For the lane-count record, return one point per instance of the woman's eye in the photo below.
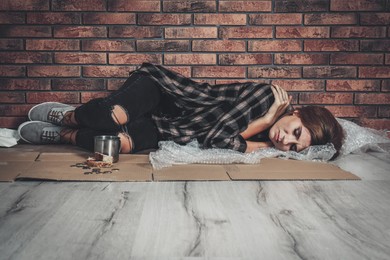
(297, 133)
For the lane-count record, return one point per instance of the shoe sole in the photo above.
(29, 112)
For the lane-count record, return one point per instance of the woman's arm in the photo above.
(253, 146)
(281, 103)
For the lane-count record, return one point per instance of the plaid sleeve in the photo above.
(252, 103)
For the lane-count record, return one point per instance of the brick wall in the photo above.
(333, 53)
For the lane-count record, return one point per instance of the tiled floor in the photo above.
(201, 220)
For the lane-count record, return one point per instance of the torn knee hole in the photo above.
(126, 143)
(119, 115)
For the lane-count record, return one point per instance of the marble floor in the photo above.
(202, 220)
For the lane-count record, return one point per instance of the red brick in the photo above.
(385, 85)
(330, 19)
(14, 110)
(352, 85)
(77, 5)
(109, 18)
(220, 19)
(301, 58)
(387, 59)
(357, 5)
(11, 122)
(107, 71)
(80, 58)
(384, 111)
(108, 45)
(374, 72)
(300, 85)
(218, 45)
(53, 18)
(245, 6)
(80, 31)
(275, 19)
(114, 84)
(163, 45)
(375, 123)
(134, 59)
(325, 98)
(329, 72)
(356, 58)
(50, 44)
(23, 5)
(164, 19)
(202, 6)
(245, 59)
(25, 84)
(302, 32)
(352, 111)
(234, 81)
(25, 31)
(63, 97)
(12, 18)
(25, 57)
(372, 98)
(196, 59)
(191, 32)
(134, 6)
(274, 45)
(218, 72)
(375, 45)
(53, 71)
(183, 70)
(375, 18)
(295, 6)
(12, 71)
(87, 96)
(358, 32)
(11, 44)
(274, 72)
(331, 45)
(12, 97)
(78, 84)
(241, 32)
(135, 32)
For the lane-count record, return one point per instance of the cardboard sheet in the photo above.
(280, 169)
(13, 164)
(192, 172)
(61, 166)
(10, 170)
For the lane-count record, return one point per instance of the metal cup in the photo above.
(108, 145)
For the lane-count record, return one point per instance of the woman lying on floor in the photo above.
(157, 104)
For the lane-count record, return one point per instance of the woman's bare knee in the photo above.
(126, 143)
(119, 115)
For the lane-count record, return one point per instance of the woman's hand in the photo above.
(281, 103)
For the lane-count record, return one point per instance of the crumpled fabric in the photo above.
(357, 139)
(8, 137)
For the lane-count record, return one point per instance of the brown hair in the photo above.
(323, 126)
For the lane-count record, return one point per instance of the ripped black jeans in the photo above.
(138, 97)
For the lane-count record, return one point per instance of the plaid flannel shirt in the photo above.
(215, 115)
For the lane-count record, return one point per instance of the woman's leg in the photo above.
(141, 135)
(138, 96)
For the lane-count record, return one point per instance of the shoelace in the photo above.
(58, 116)
(48, 136)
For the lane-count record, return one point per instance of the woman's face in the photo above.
(288, 133)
